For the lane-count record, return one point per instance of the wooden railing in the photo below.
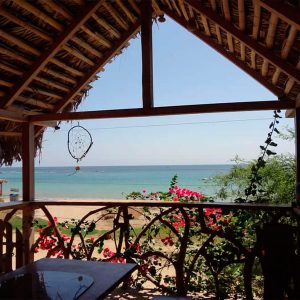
(181, 248)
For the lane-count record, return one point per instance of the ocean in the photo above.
(112, 182)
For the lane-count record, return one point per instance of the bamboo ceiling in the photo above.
(51, 50)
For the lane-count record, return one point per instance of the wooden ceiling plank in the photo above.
(115, 15)
(243, 51)
(113, 31)
(289, 42)
(219, 48)
(271, 30)
(182, 7)
(51, 83)
(166, 111)
(76, 53)
(14, 40)
(11, 116)
(226, 10)
(264, 68)
(35, 102)
(39, 14)
(96, 36)
(60, 9)
(86, 46)
(106, 57)
(275, 76)
(66, 67)
(156, 8)
(134, 6)
(127, 12)
(147, 54)
(51, 52)
(26, 25)
(256, 19)
(230, 42)
(242, 18)
(15, 55)
(252, 44)
(285, 12)
(10, 69)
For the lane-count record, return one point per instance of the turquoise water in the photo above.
(112, 182)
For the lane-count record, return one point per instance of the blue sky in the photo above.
(186, 71)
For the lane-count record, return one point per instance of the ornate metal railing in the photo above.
(181, 248)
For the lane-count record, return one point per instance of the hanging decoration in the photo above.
(79, 143)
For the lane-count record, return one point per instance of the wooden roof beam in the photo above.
(252, 44)
(165, 111)
(219, 48)
(285, 12)
(147, 55)
(51, 52)
(116, 47)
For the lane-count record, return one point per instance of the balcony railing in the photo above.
(181, 248)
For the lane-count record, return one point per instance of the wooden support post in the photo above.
(147, 56)
(297, 151)
(28, 151)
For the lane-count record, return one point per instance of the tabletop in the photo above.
(105, 276)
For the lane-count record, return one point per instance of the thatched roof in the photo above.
(50, 50)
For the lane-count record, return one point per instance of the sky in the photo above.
(186, 71)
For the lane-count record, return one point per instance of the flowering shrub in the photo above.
(180, 248)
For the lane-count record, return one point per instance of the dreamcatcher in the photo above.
(79, 143)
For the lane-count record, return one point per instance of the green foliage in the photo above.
(277, 181)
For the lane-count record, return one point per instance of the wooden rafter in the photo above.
(283, 11)
(256, 20)
(241, 10)
(112, 30)
(219, 48)
(11, 116)
(50, 53)
(252, 44)
(271, 30)
(289, 42)
(98, 66)
(165, 111)
(147, 56)
(16, 41)
(39, 14)
(27, 25)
